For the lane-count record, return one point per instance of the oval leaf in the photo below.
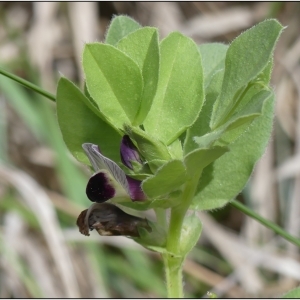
(119, 27)
(238, 123)
(142, 47)
(201, 126)
(213, 59)
(179, 95)
(167, 179)
(191, 231)
(77, 122)
(225, 178)
(197, 160)
(114, 81)
(246, 57)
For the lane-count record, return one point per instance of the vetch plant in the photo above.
(167, 125)
(191, 121)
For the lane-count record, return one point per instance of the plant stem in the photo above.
(172, 262)
(28, 84)
(265, 222)
(173, 259)
(173, 269)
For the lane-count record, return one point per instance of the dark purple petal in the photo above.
(99, 188)
(100, 162)
(135, 190)
(110, 180)
(129, 152)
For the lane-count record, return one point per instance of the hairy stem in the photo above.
(173, 270)
(173, 259)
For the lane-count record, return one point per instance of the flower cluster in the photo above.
(110, 182)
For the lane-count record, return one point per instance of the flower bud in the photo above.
(129, 153)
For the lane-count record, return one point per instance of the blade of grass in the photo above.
(28, 84)
(277, 229)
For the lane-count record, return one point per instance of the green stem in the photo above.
(172, 262)
(173, 269)
(28, 84)
(173, 259)
(176, 221)
(265, 222)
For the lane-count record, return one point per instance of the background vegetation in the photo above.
(42, 188)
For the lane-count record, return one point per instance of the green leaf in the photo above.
(265, 76)
(180, 94)
(95, 108)
(248, 108)
(167, 179)
(241, 119)
(175, 149)
(225, 178)
(79, 124)
(213, 59)
(246, 57)
(197, 160)
(190, 233)
(156, 203)
(294, 293)
(86, 93)
(258, 84)
(201, 126)
(119, 27)
(142, 47)
(155, 164)
(114, 81)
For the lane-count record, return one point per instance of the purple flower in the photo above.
(109, 180)
(129, 153)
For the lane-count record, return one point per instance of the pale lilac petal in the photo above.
(94, 155)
